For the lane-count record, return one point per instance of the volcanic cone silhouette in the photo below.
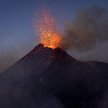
(50, 78)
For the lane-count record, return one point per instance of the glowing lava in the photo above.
(51, 40)
(49, 36)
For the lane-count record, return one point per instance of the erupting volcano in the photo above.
(46, 26)
(47, 77)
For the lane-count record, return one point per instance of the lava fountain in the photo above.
(49, 36)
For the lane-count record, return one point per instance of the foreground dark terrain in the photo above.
(50, 78)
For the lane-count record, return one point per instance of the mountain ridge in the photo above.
(46, 78)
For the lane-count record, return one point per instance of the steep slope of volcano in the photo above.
(20, 83)
(50, 78)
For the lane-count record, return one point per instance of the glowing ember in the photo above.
(51, 40)
(47, 30)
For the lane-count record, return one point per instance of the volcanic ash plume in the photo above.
(89, 27)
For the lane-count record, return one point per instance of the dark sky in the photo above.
(17, 35)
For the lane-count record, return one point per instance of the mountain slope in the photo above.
(17, 84)
(50, 78)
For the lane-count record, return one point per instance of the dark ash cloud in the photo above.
(89, 27)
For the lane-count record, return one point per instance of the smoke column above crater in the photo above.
(89, 27)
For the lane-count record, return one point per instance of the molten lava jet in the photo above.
(49, 36)
(51, 40)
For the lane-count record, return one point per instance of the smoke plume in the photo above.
(89, 27)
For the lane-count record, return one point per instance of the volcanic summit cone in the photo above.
(50, 78)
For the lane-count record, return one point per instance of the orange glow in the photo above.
(51, 40)
(47, 30)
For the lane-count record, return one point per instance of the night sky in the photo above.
(18, 36)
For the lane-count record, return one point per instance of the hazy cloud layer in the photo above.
(12, 51)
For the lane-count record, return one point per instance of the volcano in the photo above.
(50, 78)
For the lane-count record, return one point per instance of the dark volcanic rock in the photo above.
(50, 78)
